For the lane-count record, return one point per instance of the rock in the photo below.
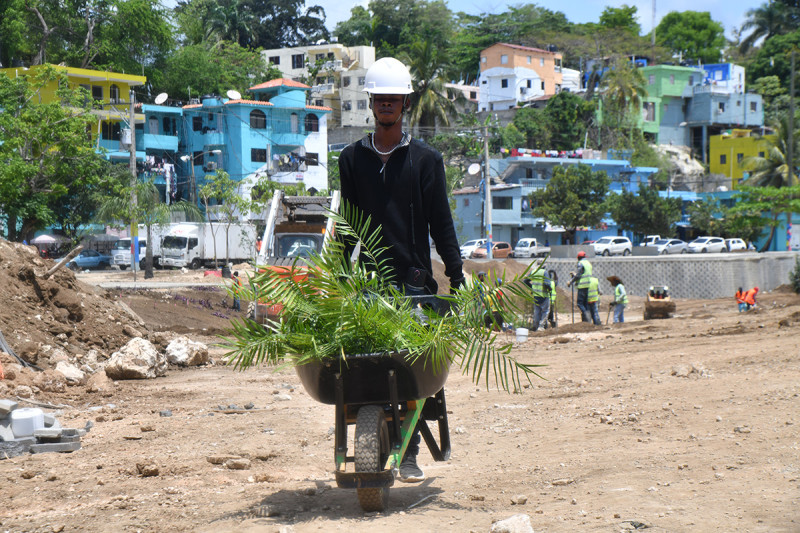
(185, 352)
(23, 391)
(72, 373)
(681, 371)
(220, 459)
(165, 413)
(130, 331)
(238, 464)
(741, 429)
(136, 360)
(519, 523)
(147, 470)
(50, 381)
(99, 382)
(519, 499)
(58, 355)
(283, 398)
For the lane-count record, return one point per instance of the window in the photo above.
(721, 107)
(738, 103)
(347, 105)
(346, 81)
(169, 125)
(541, 61)
(113, 94)
(503, 59)
(197, 123)
(297, 60)
(530, 60)
(312, 122)
(543, 85)
(319, 102)
(504, 83)
(362, 104)
(483, 59)
(651, 79)
(312, 159)
(319, 57)
(483, 82)
(97, 92)
(361, 81)
(691, 80)
(649, 111)
(501, 202)
(753, 106)
(258, 155)
(760, 154)
(722, 159)
(528, 83)
(197, 157)
(258, 120)
(739, 158)
(294, 122)
(473, 95)
(672, 79)
(275, 60)
(466, 202)
(152, 125)
(111, 131)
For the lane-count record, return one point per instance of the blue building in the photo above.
(515, 178)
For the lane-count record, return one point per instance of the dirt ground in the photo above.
(686, 424)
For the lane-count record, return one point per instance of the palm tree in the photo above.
(148, 210)
(623, 90)
(772, 18)
(230, 20)
(773, 168)
(431, 100)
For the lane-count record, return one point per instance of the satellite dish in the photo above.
(473, 169)
(234, 95)
(161, 98)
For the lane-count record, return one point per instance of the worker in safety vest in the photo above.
(237, 287)
(593, 297)
(620, 298)
(581, 276)
(551, 316)
(750, 298)
(541, 286)
(740, 300)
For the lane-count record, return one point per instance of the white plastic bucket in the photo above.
(26, 420)
(522, 334)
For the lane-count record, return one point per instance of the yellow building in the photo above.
(729, 150)
(111, 89)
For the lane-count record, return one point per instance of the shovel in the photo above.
(610, 307)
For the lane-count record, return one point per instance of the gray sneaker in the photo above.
(409, 471)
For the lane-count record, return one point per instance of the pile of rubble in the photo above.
(30, 430)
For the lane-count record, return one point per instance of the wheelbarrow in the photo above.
(386, 397)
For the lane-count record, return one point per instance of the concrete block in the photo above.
(51, 421)
(47, 434)
(70, 439)
(70, 432)
(55, 447)
(13, 448)
(5, 430)
(6, 406)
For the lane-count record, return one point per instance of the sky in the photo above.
(731, 13)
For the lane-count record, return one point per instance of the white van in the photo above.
(121, 253)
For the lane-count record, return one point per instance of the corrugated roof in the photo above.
(520, 47)
(278, 83)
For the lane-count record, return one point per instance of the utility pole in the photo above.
(487, 184)
(134, 179)
(790, 148)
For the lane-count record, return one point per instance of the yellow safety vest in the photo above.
(594, 294)
(583, 282)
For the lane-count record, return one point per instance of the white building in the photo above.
(339, 78)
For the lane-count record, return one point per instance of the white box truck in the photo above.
(121, 251)
(191, 244)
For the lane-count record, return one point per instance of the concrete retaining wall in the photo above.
(688, 276)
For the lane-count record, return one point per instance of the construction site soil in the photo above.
(690, 423)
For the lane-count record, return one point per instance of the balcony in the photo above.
(323, 89)
(213, 138)
(159, 143)
(336, 65)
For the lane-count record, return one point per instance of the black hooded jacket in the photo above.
(407, 197)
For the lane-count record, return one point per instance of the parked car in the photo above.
(500, 250)
(89, 259)
(588, 241)
(470, 246)
(736, 245)
(707, 244)
(613, 246)
(650, 240)
(529, 247)
(671, 246)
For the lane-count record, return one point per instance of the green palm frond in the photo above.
(336, 307)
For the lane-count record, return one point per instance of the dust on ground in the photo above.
(683, 424)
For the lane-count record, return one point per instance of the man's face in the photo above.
(387, 108)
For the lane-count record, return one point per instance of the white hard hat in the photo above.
(388, 76)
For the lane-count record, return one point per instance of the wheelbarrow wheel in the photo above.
(370, 453)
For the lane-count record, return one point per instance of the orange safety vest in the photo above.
(750, 297)
(237, 284)
(739, 297)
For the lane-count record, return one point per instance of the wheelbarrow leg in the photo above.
(340, 429)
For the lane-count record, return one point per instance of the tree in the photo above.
(357, 30)
(623, 90)
(397, 24)
(773, 169)
(430, 101)
(645, 212)
(229, 206)
(574, 196)
(230, 20)
(766, 21)
(692, 36)
(287, 23)
(706, 216)
(537, 127)
(568, 115)
(149, 210)
(770, 203)
(774, 58)
(620, 18)
(195, 69)
(44, 148)
(769, 87)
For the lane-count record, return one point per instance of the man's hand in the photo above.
(612, 304)
(456, 284)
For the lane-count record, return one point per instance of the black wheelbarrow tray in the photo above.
(386, 397)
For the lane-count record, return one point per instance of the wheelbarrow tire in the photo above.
(371, 452)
